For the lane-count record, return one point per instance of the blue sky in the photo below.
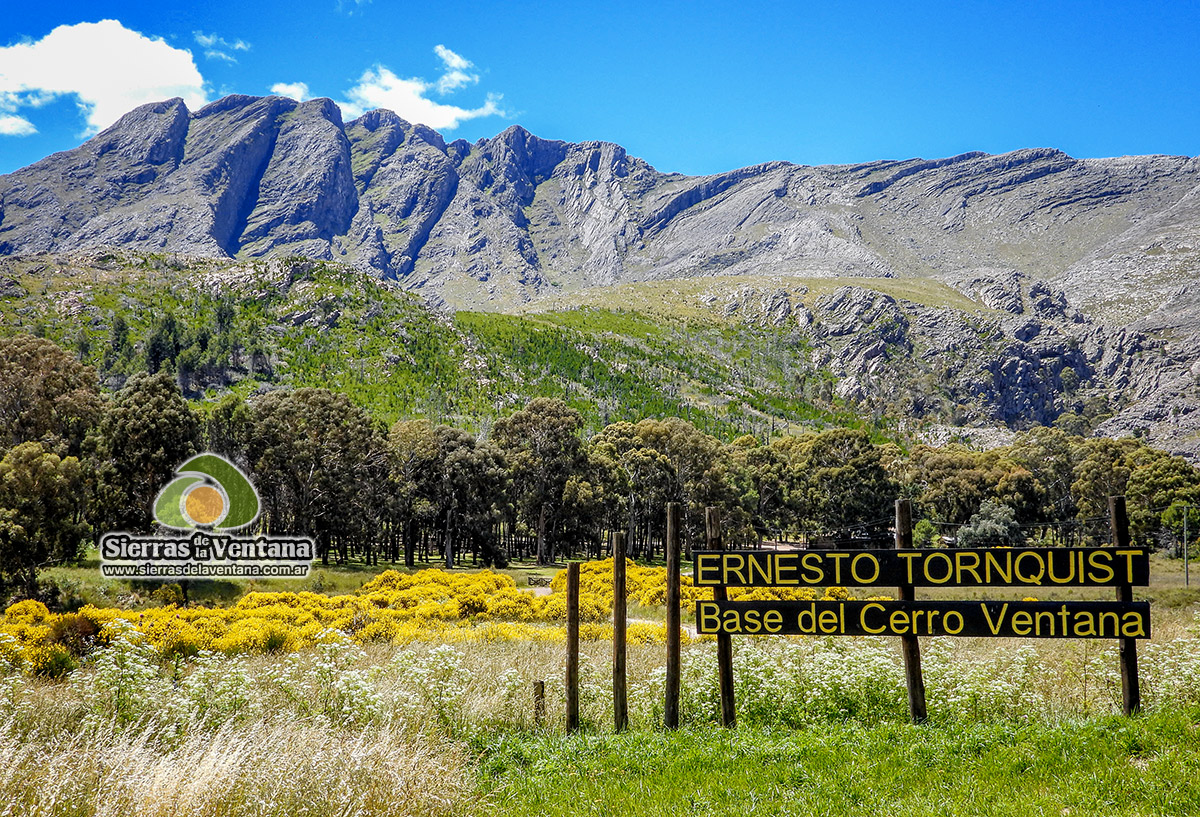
(692, 87)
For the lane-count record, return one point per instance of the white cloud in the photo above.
(16, 126)
(456, 75)
(293, 90)
(110, 69)
(218, 48)
(380, 88)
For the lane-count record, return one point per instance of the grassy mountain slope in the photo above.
(244, 326)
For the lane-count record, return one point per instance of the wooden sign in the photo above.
(994, 619)
(964, 567)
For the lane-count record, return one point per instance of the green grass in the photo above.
(1105, 766)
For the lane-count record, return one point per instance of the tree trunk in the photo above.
(542, 552)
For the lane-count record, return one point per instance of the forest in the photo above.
(79, 461)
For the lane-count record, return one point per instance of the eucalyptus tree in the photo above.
(45, 395)
(544, 449)
(145, 433)
(320, 465)
(41, 519)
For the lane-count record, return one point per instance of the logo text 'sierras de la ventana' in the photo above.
(213, 506)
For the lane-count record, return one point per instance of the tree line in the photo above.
(77, 462)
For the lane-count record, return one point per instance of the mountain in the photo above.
(1087, 264)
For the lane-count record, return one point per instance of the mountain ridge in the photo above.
(506, 220)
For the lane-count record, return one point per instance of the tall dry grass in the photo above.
(281, 767)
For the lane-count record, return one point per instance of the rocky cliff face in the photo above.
(508, 219)
(1084, 264)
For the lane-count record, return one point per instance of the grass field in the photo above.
(352, 727)
(1101, 766)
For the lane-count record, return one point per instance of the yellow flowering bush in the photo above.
(394, 607)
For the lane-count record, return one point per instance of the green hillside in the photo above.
(222, 326)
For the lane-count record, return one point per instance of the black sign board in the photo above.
(963, 567)
(995, 619)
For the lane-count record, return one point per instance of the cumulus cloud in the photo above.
(108, 68)
(293, 90)
(380, 88)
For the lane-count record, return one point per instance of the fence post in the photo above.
(910, 648)
(712, 527)
(573, 646)
(620, 701)
(1131, 691)
(539, 703)
(671, 705)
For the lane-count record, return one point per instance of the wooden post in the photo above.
(573, 646)
(910, 648)
(671, 705)
(1131, 690)
(539, 703)
(620, 702)
(712, 527)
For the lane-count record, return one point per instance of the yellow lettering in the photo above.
(730, 570)
(1132, 627)
(949, 568)
(1030, 578)
(814, 574)
(785, 563)
(862, 618)
(837, 566)
(908, 558)
(1022, 622)
(1004, 570)
(859, 579)
(828, 621)
(757, 562)
(752, 623)
(994, 626)
(899, 622)
(1037, 622)
(1128, 554)
(1094, 559)
(1070, 563)
(960, 559)
(706, 564)
(811, 612)
(773, 621)
(1116, 623)
(708, 617)
(952, 629)
(1084, 617)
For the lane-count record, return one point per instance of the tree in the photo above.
(994, 525)
(543, 448)
(320, 466)
(414, 470)
(842, 481)
(1049, 455)
(474, 483)
(1156, 486)
(698, 471)
(41, 522)
(1102, 469)
(144, 435)
(45, 394)
(765, 482)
